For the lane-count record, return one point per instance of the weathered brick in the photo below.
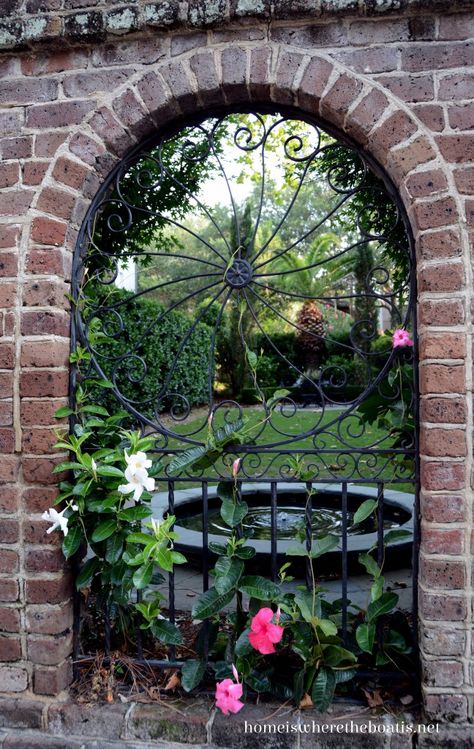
(9, 561)
(109, 129)
(16, 148)
(456, 86)
(441, 540)
(432, 115)
(132, 52)
(47, 143)
(13, 679)
(51, 590)
(443, 673)
(446, 277)
(410, 88)
(48, 231)
(442, 475)
(156, 97)
(442, 508)
(436, 56)
(48, 651)
(9, 530)
(70, 172)
(6, 385)
(10, 648)
(38, 441)
(132, 114)
(35, 533)
(289, 63)
(369, 60)
(442, 378)
(9, 619)
(40, 412)
(335, 103)
(182, 43)
(92, 81)
(44, 322)
(56, 61)
(39, 499)
(49, 261)
(41, 383)
(440, 244)
(24, 91)
(7, 350)
(6, 416)
(62, 114)
(177, 80)
(52, 680)
(395, 129)
(313, 83)
(39, 470)
(34, 172)
(47, 560)
(15, 202)
(439, 574)
(450, 707)
(461, 116)
(456, 148)
(8, 264)
(9, 174)
(444, 410)
(11, 122)
(455, 26)
(56, 202)
(383, 30)
(423, 184)
(9, 235)
(8, 590)
(7, 440)
(312, 37)
(435, 213)
(48, 619)
(438, 641)
(87, 26)
(204, 68)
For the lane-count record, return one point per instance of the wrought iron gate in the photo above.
(280, 290)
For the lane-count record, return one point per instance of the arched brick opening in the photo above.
(406, 149)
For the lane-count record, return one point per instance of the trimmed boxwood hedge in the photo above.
(158, 348)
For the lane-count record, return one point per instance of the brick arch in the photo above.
(379, 122)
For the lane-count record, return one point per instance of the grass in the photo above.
(288, 430)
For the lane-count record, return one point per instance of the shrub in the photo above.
(158, 348)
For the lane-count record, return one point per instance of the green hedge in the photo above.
(157, 347)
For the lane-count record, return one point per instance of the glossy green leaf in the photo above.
(139, 512)
(259, 587)
(228, 573)
(104, 530)
(370, 564)
(233, 513)
(142, 576)
(166, 632)
(210, 603)
(382, 605)
(63, 411)
(365, 636)
(323, 688)
(87, 573)
(114, 547)
(363, 512)
(72, 541)
(110, 471)
(192, 674)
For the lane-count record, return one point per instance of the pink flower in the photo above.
(228, 694)
(401, 337)
(235, 467)
(263, 635)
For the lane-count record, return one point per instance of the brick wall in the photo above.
(400, 83)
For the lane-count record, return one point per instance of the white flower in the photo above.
(138, 481)
(137, 462)
(57, 519)
(155, 524)
(75, 508)
(93, 465)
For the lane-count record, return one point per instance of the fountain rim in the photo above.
(355, 543)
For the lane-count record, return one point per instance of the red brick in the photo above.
(6, 385)
(9, 324)
(47, 353)
(48, 231)
(443, 410)
(446, 277)
(394, 130)
(8, 264)
(34, 171)
(9, 620)
(132, 114)
(156, 97)
(7, 354)
(457, 149)
(62, 114)
(431, 115)
(39, 470)
(461, 116)
(85, 148)
(443, 575)
(48, 591)
(24, 91)
(442, 475)
(289, 62)
(204, 68)
(443, 673)
(233, 83)
(422, 184)
(410, 88)
(313, 83)
(34, 531)
(45, 261)
(48, 142)
(436, 56)
(9, 234)
(38, 441)
(449, 707)
(46, 560)
(143, 50)
(9, 498)
(6, 413)
(49, 620)
(54, 62)
(70, 172)
(56, 202)
(469, 211)
(441, 312)
(442, 378)
(42, 293)
(15, 202)
(443, 443)
(435, 213)
(52, 680)
(445, 508)
(442, 541)
(338, 99)
(109, 129)
(7, 440)
(440, 244)
(184, 42)
(369, 60)
(45, 322)
(91, 81)
(405, 159)
(40, 412)
(456, 86)
(8, 295)
(455, 26)
(9, 530)
(8, 590)
(315, 35)
(464, 179)
(10, 649)
(49, 650)
(259, 73)
(39, 499)
(9, 561)
(369, 32)
(9, 174)
(41, 383)
(16, 148)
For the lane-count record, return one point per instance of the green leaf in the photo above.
(199, 457)
(139, 538)
(364, 510)
(258, 682)
(211, 602)
(219, 549)
(334, 655)
(328, 627)
(142, 576)
(304, 601)
(177, 558)
(376, 589)
(382, 605)
(86, 575)
(104, 530)
(228, 573)
(99, 410)
(166, 632)
(297, 551)
(192, 674)
(114, 547)
(68, 466)
(139, 512)
(245, 552)
(395, 535)
(345, 675)
(365, 636)
(225, 490)
(259, 587)
(371, 566)
(110, 471)
(233, 513)
(252, 357)
(323, 545)
(72, 541)
(63, 411)
(323, 688)
(243, 646)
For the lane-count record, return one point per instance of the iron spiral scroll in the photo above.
(206, 260)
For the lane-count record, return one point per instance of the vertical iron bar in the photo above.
(308, 514)
(76, 627)
(171, 592)
(380, 508)
(273, 542)
(139, 631)
(344, 560)
(205, 561)
(107, 630)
